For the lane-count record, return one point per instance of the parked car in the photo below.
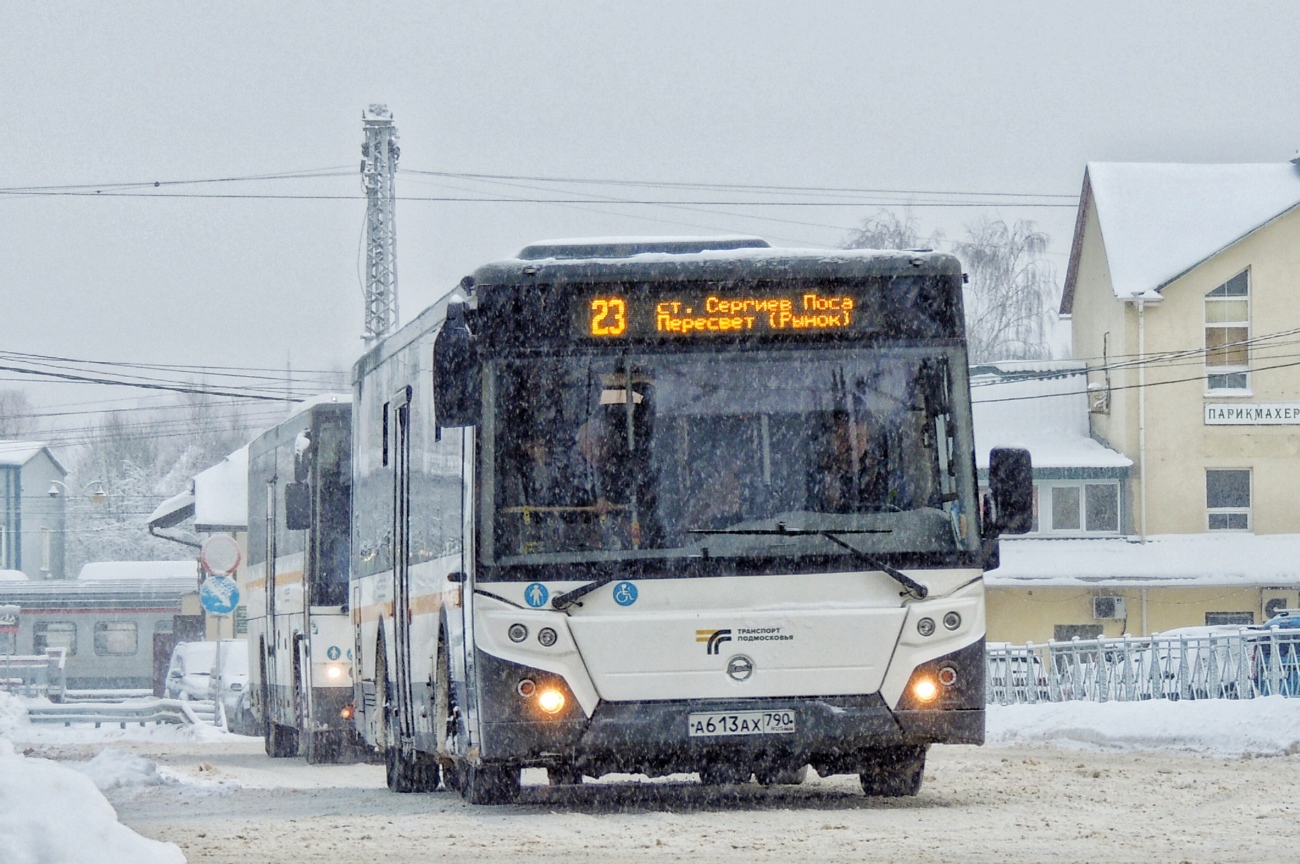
(227, 682)
(1218, 658)
(1280, 674)
(190, 669)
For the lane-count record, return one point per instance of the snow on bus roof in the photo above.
(1041, 406)
(322, 399)
(13, 576)
(1160, 220)
(99, 570)
(623, 247)
(1177, 560)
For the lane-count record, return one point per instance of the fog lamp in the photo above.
(347, 711)
(551, 701)
(947, 676)
(526, 688)
(333, 672)
(925, 689)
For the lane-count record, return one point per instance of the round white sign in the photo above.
(219, 554)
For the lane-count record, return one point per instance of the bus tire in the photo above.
(321, 748)
(281, 741)
(408, 772)
(893, 772)
(490, 784)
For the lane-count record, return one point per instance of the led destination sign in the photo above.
(613, 316)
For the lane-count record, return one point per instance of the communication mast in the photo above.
(379, 154)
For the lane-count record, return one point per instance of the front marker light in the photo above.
(925, 626)
(551, 701)
(925, 689)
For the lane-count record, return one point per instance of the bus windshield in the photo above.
(761, 453)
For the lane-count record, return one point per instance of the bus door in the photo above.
(401, 564)
(270, 631)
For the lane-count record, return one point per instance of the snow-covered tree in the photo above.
(1012, 290)
(1011, 293)
(136, 463)
(886, 230)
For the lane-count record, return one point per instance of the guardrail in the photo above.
(1242, 665)
(141, 711)
(35, 674)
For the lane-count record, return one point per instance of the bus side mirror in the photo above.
(1011, 484)
(297, 506)
(457, 376)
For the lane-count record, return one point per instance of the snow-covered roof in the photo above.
(173, 511)
(1204, 560)
(1041, 406)
(100, 570)
(221, 494)
(308, 404)
(1160, 220)
(18, 453)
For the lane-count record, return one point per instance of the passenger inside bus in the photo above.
(849, 471)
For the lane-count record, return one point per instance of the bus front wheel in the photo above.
(893, 772)
(489, 784)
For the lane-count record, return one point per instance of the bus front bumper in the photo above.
(653, 737)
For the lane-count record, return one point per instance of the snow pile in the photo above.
(50, 814)
(13, 713)
(1220, 727)
(113, 769)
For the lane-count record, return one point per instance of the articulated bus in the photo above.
(299, 632)
(675, 506)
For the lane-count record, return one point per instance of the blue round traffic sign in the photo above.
(219, 595)
(625, 593)
(535, 595)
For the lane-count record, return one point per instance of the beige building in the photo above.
(1183, 292)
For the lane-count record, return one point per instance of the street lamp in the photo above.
(95, 491)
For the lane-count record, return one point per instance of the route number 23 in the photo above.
(608, 316)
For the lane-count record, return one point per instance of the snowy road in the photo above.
(1004, 804)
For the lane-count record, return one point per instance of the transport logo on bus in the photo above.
(714, 638)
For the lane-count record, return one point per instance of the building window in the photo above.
(54, 634)
(1227, 331)
(1066, 632)
(1076, 507)
(1218, 619)
(115, 638)
(1227, 500)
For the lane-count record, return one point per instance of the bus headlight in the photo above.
(551, 701)
(334, 672)
(924, 689)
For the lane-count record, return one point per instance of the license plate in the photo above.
(741, 723)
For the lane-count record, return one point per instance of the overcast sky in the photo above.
(990, 97)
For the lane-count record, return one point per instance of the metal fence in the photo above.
(1242, 665)
(35, 674)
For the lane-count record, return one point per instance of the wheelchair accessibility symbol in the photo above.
(535, 595)
(625, 593)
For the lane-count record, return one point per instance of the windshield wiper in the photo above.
(568, 598)
(914, 588)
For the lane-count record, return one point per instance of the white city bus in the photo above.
(299, 630)
(674, 506)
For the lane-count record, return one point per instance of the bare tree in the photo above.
(886, 230)
(1012, 288)
(17, 419)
